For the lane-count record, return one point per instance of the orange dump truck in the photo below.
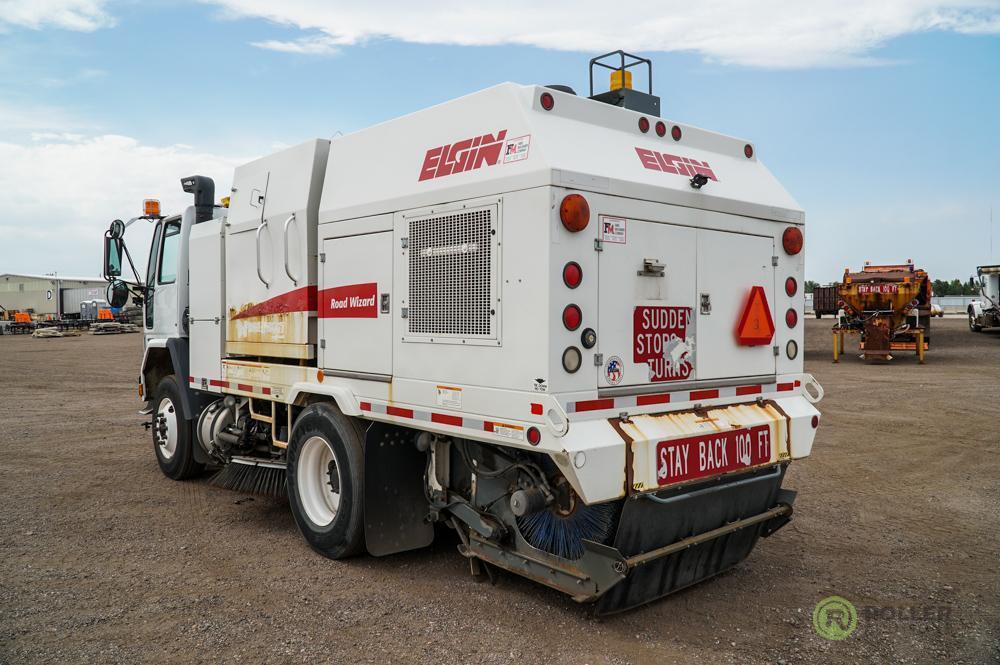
(889, 306)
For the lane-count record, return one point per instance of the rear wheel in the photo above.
(325, 476)
(972, 323)
(172, 434)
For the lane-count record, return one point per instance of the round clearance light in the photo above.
(588, 338)
(791, 287)
(534, 436)
(792, 349)
(791, 318)
(572, 317)
(643, 125)
(661, 128)
(815, 422)
(675, 133)
(548, 101)
(748, 151)
(572, 359)
(572, 274)
(574, 213)
(791, 240)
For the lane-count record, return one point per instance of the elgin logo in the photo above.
(464, 155)
(661, 161)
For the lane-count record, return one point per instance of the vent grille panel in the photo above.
(450, 274)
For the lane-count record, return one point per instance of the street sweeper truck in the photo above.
(563, 327)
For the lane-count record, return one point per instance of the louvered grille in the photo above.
(450, 275)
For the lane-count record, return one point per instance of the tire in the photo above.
(819, 315)
(173, 436)
(331, 522)
(972, 323)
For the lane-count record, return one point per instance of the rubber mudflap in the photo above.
(646, 525)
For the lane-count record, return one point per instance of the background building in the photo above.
(49, 296)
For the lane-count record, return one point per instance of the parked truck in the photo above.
(888, 306)
(560, 325)
(984, 311)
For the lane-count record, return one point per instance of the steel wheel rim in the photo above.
(313, 477)
(166, 415)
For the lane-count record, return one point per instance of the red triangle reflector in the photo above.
(756, 326)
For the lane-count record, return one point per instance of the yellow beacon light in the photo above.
(616, 79)
(224, 201)
(151, 208)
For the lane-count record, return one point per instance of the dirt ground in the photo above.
(103, 560)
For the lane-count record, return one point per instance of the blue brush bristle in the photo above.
(564, 535)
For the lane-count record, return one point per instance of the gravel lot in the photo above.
(103, 560)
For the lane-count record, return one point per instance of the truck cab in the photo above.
(984, 311)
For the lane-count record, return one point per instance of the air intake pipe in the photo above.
(203, 189)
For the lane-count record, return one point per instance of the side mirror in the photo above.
(112, 257)
(117, 294)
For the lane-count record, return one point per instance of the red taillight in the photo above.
(572, 317)
(534, 436)
(572, 274)
(748, 150)
(791, 318)
(574, 213)
(675, 133)
(791, 286)
(661, 128)
(791, 240)
(547, 101)
(643, 125)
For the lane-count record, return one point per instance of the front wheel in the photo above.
(325, 476)
(972, 323)
(172, 435)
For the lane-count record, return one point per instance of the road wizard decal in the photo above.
(474, 153)
(356, 301)
(661, 161)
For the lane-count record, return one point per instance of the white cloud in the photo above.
(765, 33)
(82, 15)
(61, 192)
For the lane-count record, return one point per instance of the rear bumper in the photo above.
(665, 542)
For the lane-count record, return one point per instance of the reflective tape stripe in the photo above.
(607, 403)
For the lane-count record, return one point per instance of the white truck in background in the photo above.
(984, 312)
(563, 327)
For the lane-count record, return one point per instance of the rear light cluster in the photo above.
(791, 242)
(661, 128)
(574, 213)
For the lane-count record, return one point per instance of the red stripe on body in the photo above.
(302, 299)
(749, 390)
(398, 411)
(595, 404)
(218, 384)
(646, 400)
(444, 419)
(703, 394)
(786, 386)
(366, 406)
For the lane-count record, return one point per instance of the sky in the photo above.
(882, 119)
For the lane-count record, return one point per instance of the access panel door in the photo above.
(355, 304)
(730, 265)
(646, 299)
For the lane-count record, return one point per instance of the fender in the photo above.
(176, 349)
(976, 308)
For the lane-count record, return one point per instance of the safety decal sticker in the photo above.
(614, 370)
(663, 339)
(613, 229)
(516, 149)
(449, 397)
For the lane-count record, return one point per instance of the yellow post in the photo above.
(920, 346)
(836, 345)
(842, 336)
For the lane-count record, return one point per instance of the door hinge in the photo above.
(404, 312)
(322, 344)
(774, 260)
(651, 268)
(776, 350)
(404, 243)
(598, 245)
(322, 257)
(598, 359)
(384, 303)
(706, 303)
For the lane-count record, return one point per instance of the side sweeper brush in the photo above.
(252, 476)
